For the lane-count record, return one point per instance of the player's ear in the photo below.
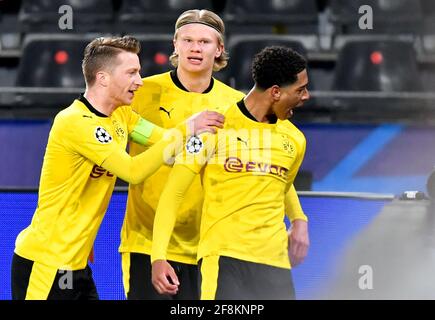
(275, 92)
(219, 50)
(174, 42)
(102, 78)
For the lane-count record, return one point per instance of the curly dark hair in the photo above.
(277, 65)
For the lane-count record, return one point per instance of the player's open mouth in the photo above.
(195, 60)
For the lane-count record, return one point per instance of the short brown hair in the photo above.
(101, 52)
(207, 18)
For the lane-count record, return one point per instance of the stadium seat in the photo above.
(383, 72)
(50, 66)
(10, 38)
(51, 62)
(242, 51)
(88, 15)
(158, 16)
(154, 54)
(377, 66)
(279, 16)
(428, 8)
(389, 16)
(428, 33)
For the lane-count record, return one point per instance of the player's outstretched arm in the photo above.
(147, 133)
(136, 169)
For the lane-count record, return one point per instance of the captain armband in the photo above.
(142, 131)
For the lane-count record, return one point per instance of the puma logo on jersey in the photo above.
(244, 141)
(166, 111)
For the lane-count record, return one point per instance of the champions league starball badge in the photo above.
(194, 144)
(102, 135)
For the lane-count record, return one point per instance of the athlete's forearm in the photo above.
(293, 207)
(170, 201)
(136, 169)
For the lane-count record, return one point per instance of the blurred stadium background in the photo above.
(370, 124)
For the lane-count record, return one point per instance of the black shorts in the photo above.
(225, 278)
(36, 281)
(136, 269)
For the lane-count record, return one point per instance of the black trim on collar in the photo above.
(245, 111)
(272, 118)
(178, 83)
(85, 101)
(242, 107)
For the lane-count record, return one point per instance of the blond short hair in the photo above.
(207, 18)
(101, 53)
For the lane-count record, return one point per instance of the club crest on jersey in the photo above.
(118, 129)
(287, 145)
(102, 135)
(194, 144)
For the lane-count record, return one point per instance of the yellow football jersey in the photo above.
(74, 191)
(163, 101)
(247, 168)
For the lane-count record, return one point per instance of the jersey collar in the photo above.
(88, 105)
(178, 83)
(242, 107)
